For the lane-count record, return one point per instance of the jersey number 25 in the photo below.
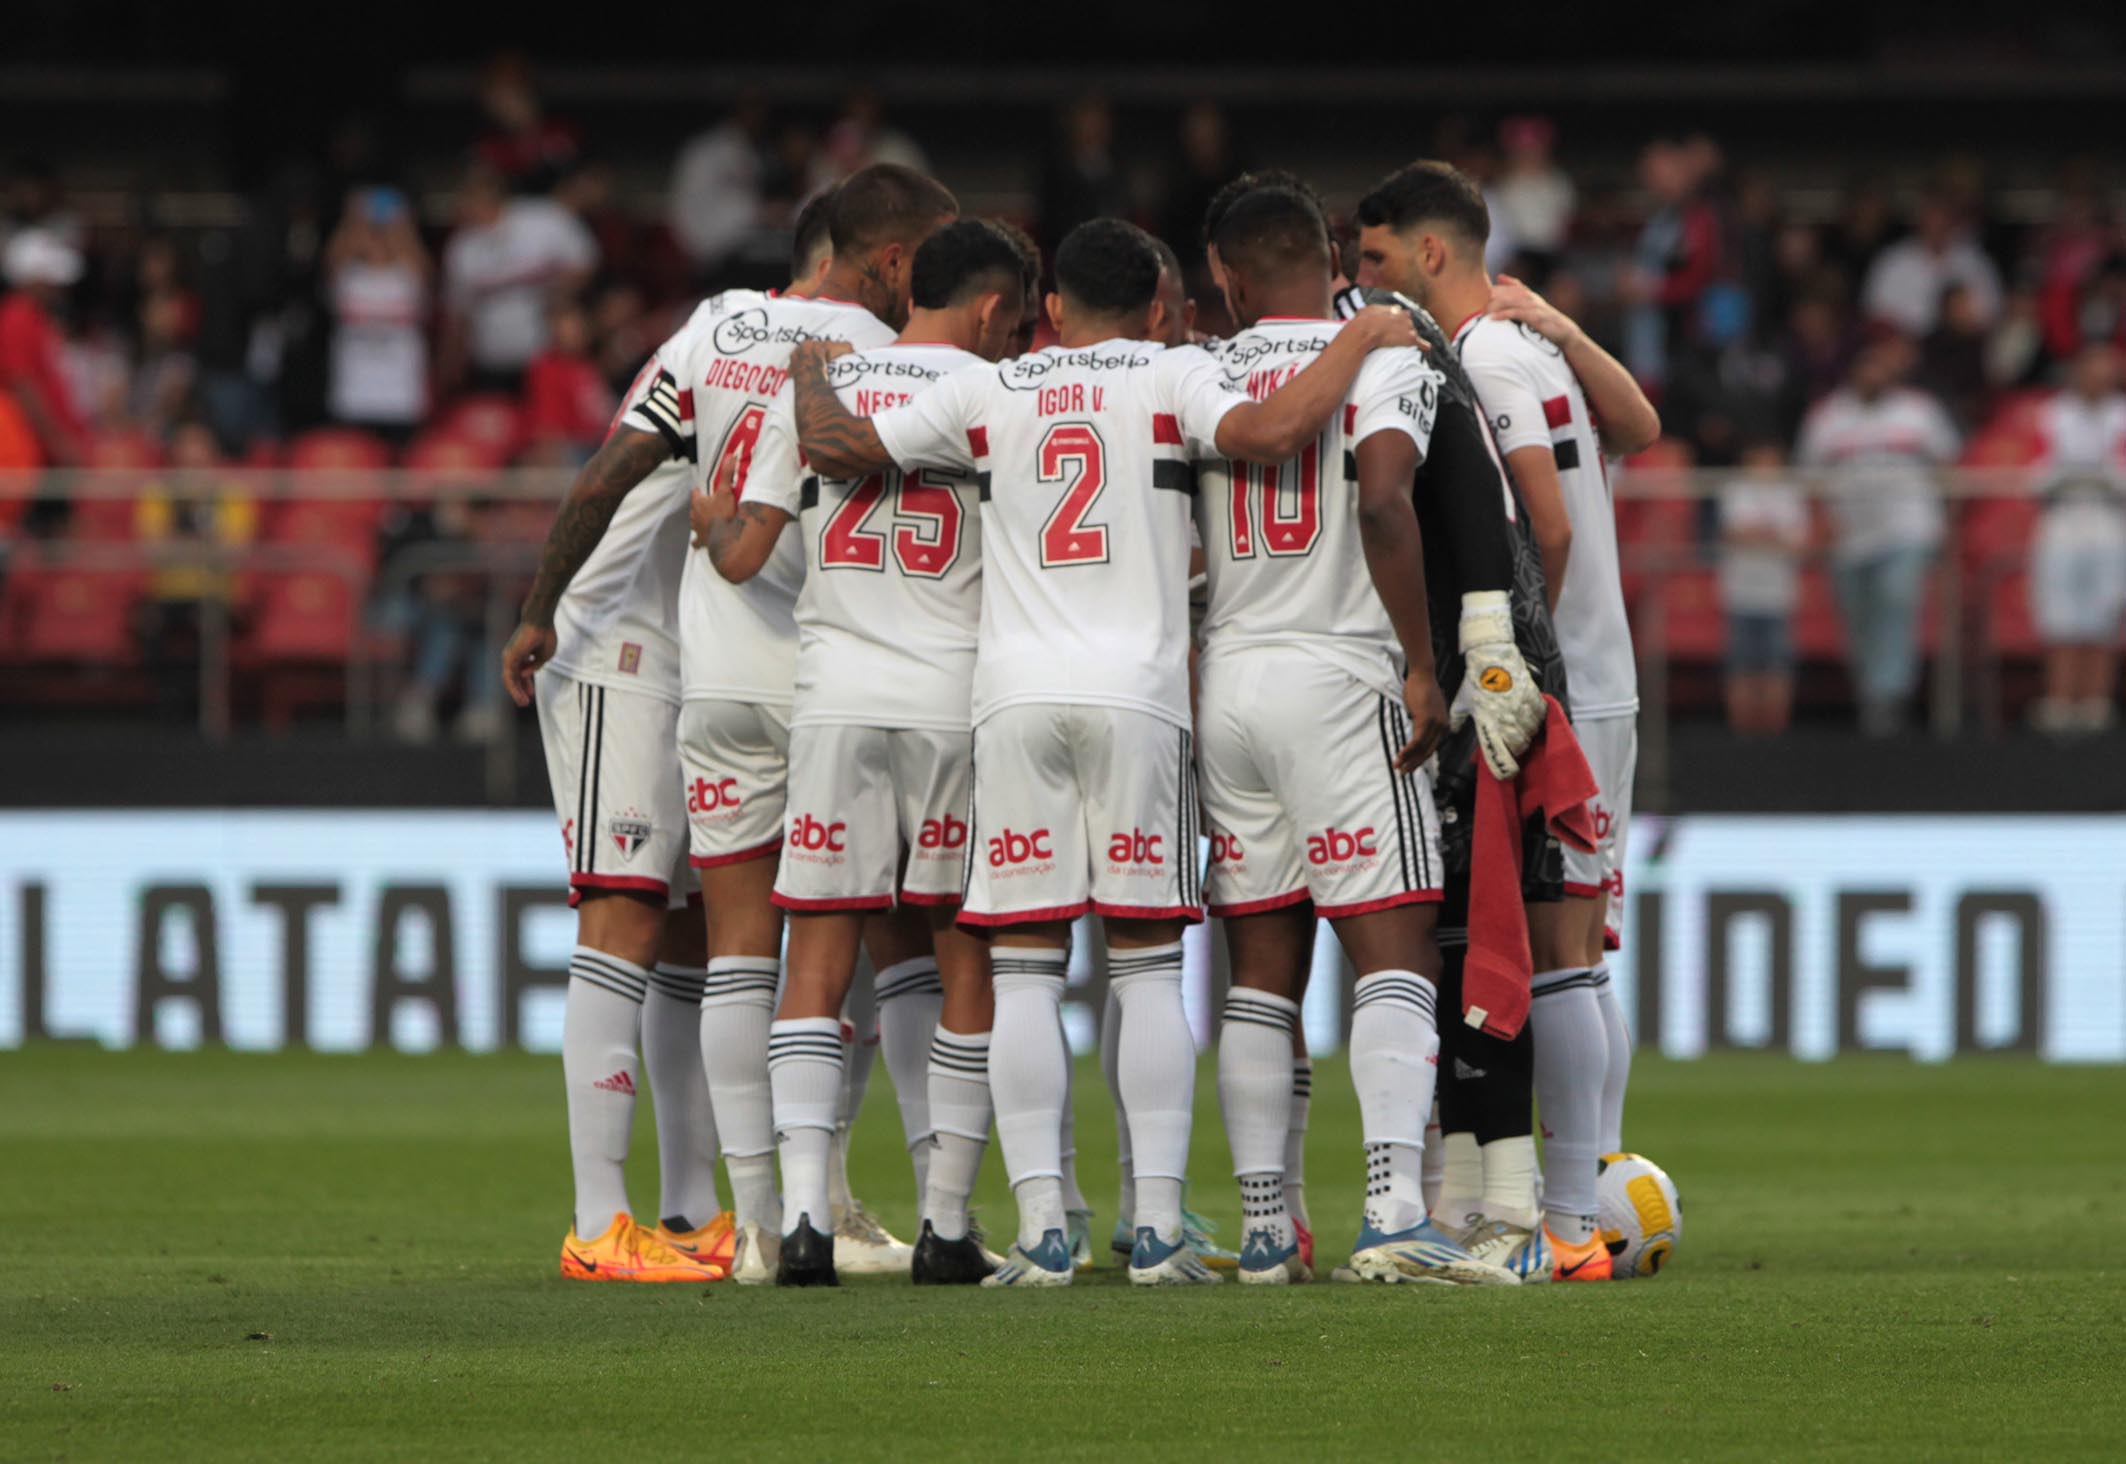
(926, 526)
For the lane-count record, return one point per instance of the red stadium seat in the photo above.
(1696, 621)
(302, 616)
(72, 615)
(1819, 630)
(343, 448)
(125, 449)
(347, 525)
(2010, 628)
(495, 423)
(447, 452)
(102, 520)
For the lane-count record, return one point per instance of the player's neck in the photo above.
(931, 328)
(844, 283)
(1299, 302)
(1456, 297)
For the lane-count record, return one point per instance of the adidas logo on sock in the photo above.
(620, 1082)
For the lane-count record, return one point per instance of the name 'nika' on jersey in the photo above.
(1534, 400)
(715, 381)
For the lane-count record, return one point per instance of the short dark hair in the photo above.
(1273, 231)
(1428, 192)
(1247, 183)
(885, 202)
(1108, 266)
(1168, 259)
(1029, 252)
(962, 259)
(808, 233)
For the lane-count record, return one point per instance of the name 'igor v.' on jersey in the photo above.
(893, 561)
(717, 378)
(1085, 521)
(1281, 544)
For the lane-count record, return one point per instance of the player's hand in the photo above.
(1428, 719)
(531, 647)
(1512, 300)
(1384, 327)
(814, 355)
(706, 510)
(1497, 689)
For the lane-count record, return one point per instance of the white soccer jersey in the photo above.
(2083, 437)
(1085, 519)
(893, 562)
(1534, 400)
(1882, 453)
(617, 623)
(709, 398)
(1281, 544)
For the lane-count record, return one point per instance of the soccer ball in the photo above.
(1641, 1215)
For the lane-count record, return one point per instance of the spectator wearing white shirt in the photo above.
(1533, 196)
(1881, 442)
(509, 258)
(1764, 527)
(2078, 558)
(1906, 282)
(376, 281)
(716, 188)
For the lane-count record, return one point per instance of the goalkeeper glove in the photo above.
(1497, 688)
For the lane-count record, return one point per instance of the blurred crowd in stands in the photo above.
(1876, 339)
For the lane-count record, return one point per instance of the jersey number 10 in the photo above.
(1259, 506)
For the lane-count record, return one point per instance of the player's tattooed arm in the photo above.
(740, 538)
(626, 459)
(1272, 430)
(837, 442)
(1395, 560)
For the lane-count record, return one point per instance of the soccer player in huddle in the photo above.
(703, 404)
(1084, 779)
(1319, 706)
(881, 748)
(1556, 402)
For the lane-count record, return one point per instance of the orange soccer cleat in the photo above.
(1588, 1262)
(712, 1244)
(631, 1252)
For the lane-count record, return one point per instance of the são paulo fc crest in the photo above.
(630, 831)
(630, 658)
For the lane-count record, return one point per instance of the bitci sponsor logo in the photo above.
(1334, 846)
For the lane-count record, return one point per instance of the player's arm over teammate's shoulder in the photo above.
(1627, 421)
(739, 523)
(934, 430)
(1398, 396)
(1278, 427)
(628, 456)
(836, 442)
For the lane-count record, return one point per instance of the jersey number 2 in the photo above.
(926, 527)
(1073, 454)
(1257, 489)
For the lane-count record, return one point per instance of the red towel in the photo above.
(1555, 782)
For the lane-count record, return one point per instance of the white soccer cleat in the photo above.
(1155, 1262)
(1522, 1253)
(1047, 1264)
(863, 1247)
(755, 1255)
(1264, 1262)
(1424, 1254)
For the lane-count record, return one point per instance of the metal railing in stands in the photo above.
(1966, 661)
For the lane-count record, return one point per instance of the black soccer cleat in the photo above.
(941, 1262)
(807, 1257)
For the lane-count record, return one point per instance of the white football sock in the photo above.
(1571, 1059)
(1394, 1064)
(805, 1070)
(959, 1116)
(1509, 1180)
(910, 996)
(1435, 1169)
(679, 1092)
(1110, 1055)
(1461, 1186)
(1255, 1095)
(1157, 1063)
(1617, 1076)
(1067, 1140)
(737, 1005)
(1295, 1144)
(599, 1029)
(1028, 1077)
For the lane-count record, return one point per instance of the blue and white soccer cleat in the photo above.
(1423, 1253)
(1525, 1253)
(1155, 1262)
(1265, 1262)
(1047, 1264)
(1201, 1236)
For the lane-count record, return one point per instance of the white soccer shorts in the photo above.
(1300, 791)
(1082, 808)
(615, 779)
(733, 764)
(859, 796)
(1612, 748)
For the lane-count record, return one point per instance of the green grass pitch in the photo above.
(220, 1256)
